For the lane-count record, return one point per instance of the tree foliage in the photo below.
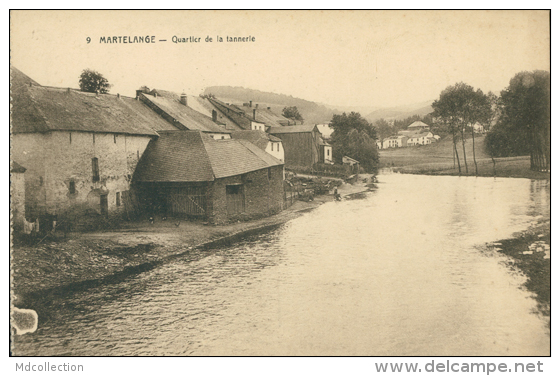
(291, 113)
(458, 108)
(384, 129)
(92, 81)
(355, 137)
(523, 126)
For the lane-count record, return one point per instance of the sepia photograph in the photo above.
(280, 183)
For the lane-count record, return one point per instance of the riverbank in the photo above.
(437, 159)
(50, 266)
(530, 252)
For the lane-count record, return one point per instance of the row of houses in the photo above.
(417, 133)
(85, 155)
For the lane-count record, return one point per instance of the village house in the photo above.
(175, 109)
(267, 142)
(189, 174)
(478, 128)
(420, 138)
(80, 149)
(418, 126)
(395, 142)
(303, 146)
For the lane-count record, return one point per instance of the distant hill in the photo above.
(401, 112)
(312, 112)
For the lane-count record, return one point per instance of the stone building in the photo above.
(189, 174)
(80, 149)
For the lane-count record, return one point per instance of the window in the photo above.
(95, 169)
(118, 198)
(115, 138)
(328, 152)
(72, 187)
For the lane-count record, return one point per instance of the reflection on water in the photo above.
(397, 273)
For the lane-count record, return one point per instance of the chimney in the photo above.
(214, 116)
(257, 105)
(68, 90)
(118, 95)
(138, 92)
(268, 108)
(183, 98)
(155, 94)
(250, 103)
(254, 114)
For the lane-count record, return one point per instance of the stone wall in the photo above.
(263, 193)
(59, 162)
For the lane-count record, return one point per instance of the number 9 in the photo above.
(88, 39)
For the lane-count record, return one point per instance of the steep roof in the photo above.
(191, 119)
(42, 109)
(293, 129)
(191, 156)
(204, 106)
(256, 137)
(234, 113)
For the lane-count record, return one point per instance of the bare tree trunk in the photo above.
(473, 154)
(464, 151)
(494, 162)
(456, 152)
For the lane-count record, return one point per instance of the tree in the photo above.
(355, 137)
(291, 113)
(384, 129)
(459, 107)
(526, 113)
(92, 82)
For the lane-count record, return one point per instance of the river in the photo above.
(402, 271)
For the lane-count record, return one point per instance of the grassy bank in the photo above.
(437, 159)
(530, 251)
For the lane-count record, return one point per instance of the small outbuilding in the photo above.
(189, 174)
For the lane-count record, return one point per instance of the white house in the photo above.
(267, 142)
(420, 138)
(395, 142)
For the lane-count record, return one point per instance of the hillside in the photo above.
(312, 112)
(400, 112)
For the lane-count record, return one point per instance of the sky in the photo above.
(346, 58)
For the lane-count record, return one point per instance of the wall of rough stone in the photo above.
(264, 195)
(67, 156)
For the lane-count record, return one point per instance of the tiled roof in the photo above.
(42, 109)
(293, 129)
(256, 137)
(191, 119)
(191, 156)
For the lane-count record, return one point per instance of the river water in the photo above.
(403, 271)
